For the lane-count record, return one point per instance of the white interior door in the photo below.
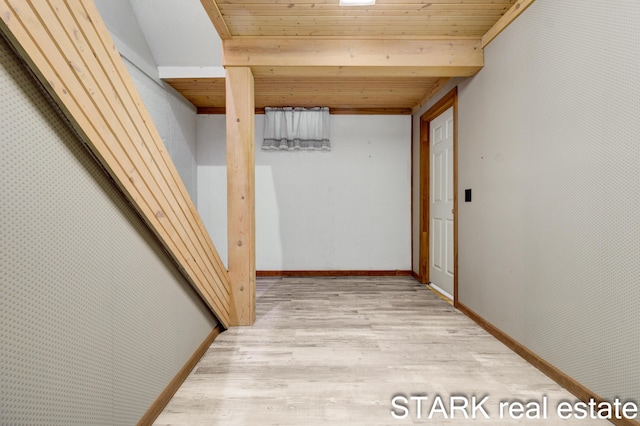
(441, 198)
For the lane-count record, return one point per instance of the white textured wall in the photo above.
(348, 209)
(119, 17)
(175, 121)
(173, 116)
(549, 137)
(96, 319)
(179, 36)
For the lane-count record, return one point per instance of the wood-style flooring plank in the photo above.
(334, 351)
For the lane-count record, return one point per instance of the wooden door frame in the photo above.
(449, 100)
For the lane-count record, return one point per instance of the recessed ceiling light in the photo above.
(357, 2)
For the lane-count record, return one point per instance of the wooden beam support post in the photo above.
(241, 194)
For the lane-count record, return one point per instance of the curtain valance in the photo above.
(291, 129)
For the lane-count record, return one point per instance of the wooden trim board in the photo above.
(411, 187)
(431, 93)
(216, 18)
(449, 100)
(370, 111)
(163, 399)
(342, 273)
(332, 111)
(440, 295)
(433, 290)
(564, 380)
(506, 19)
(423, 199)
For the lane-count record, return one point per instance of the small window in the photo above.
(296, 129)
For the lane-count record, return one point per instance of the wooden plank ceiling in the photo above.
(386, 19)
(319, 78)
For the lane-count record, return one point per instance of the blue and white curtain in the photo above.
(291, 129)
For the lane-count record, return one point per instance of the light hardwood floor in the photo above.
(335, 351)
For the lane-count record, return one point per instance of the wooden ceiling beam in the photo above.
(216, 18)
(506, 19)
(333, 9)
(366, 71)
(447, 58)
(434, 89)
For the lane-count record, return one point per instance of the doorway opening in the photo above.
(438, 249)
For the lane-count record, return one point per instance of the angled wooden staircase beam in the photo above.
(69, 49)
